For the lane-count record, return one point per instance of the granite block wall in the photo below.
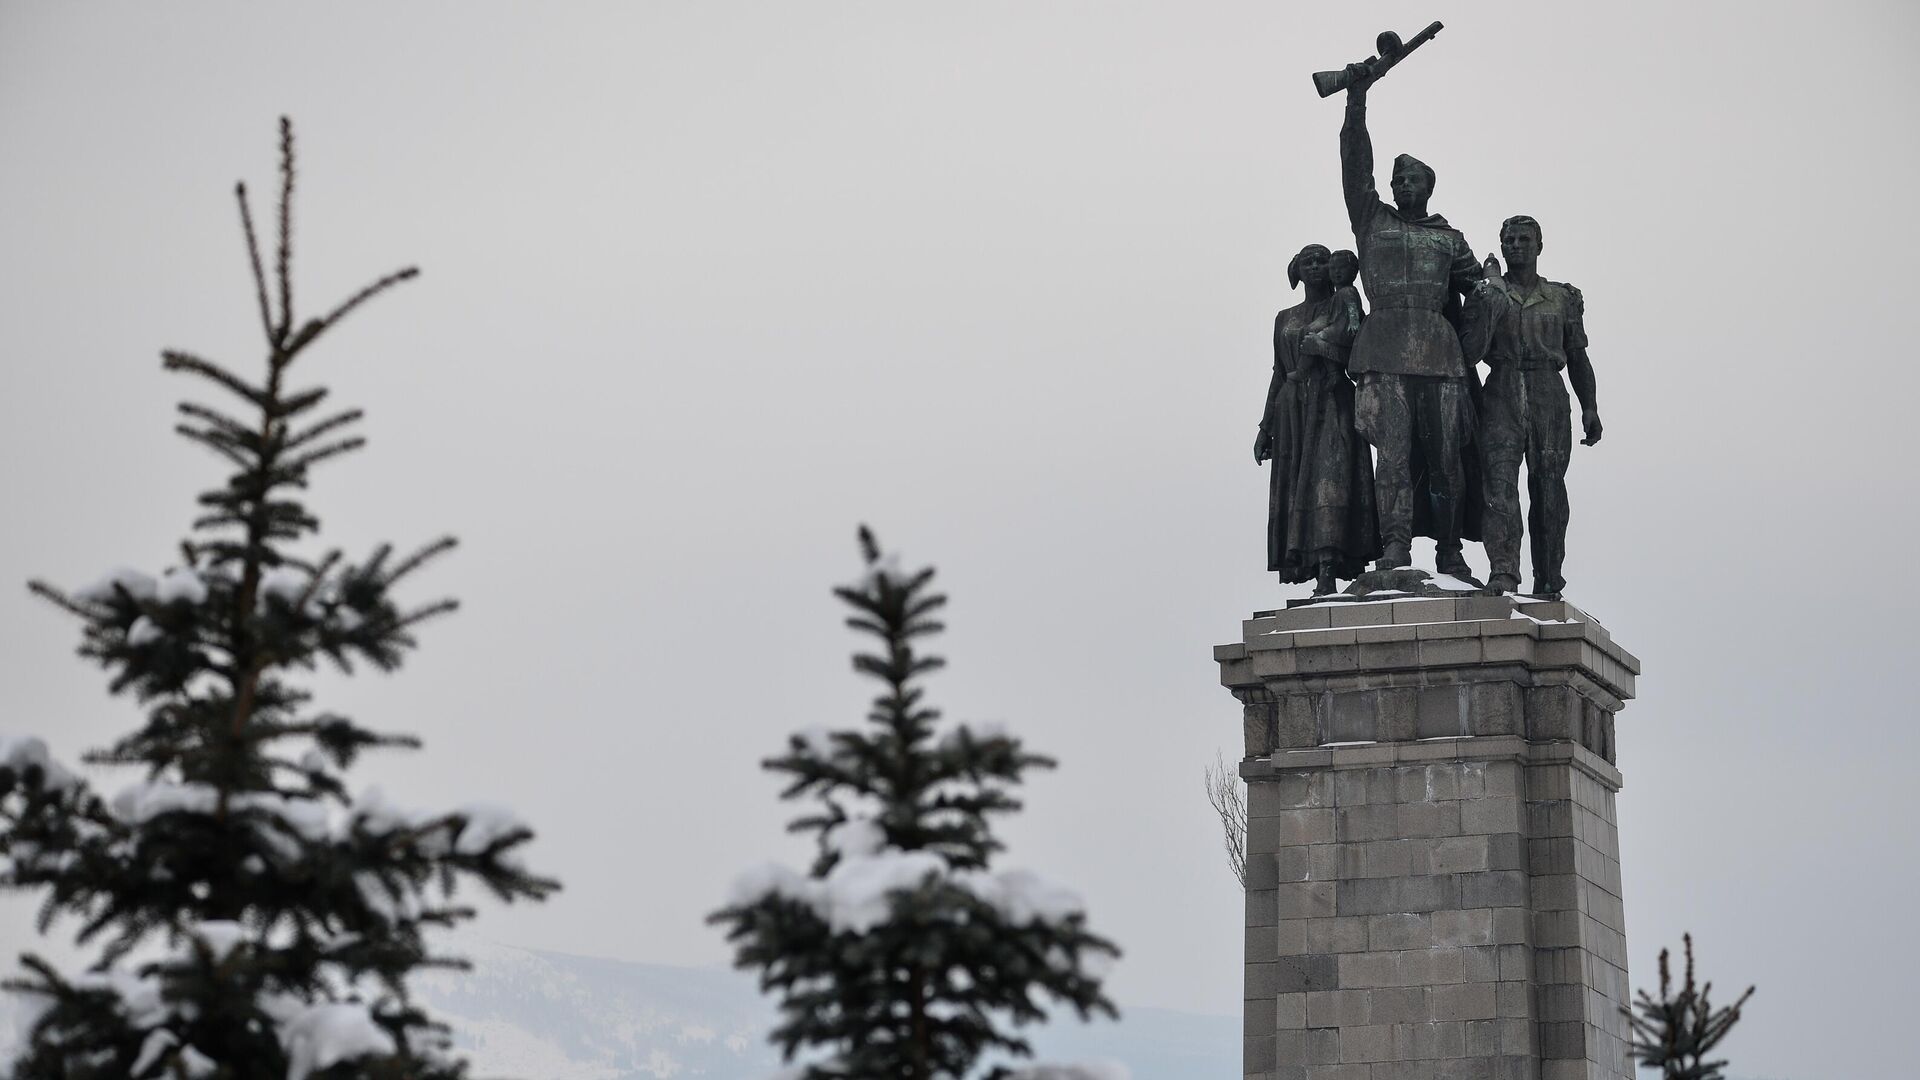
(1433, 886)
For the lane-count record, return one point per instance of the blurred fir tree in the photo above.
(254, 919)
(901, 954)
(1675, 1033)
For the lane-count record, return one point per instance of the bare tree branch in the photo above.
(1227, 793)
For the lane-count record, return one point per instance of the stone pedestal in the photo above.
(1433, 874)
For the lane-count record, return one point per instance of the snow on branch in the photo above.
(860, 892)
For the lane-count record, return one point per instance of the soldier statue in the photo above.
(1530, 329)
(1415, 400)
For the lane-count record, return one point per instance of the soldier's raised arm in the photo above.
(1356, 151)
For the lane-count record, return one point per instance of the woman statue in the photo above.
(1321, 522)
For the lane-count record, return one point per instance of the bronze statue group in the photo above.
(1401, 377)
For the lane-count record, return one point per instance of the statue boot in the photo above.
(1449, 561)
(1394, 557)
(1325, 585)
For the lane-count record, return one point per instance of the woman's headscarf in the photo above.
(1293, 268)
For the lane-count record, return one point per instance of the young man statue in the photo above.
(1530, 329)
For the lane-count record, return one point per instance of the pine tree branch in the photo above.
(311, 332)
(382, 285)
(220, 421)
(217, 521)
(253, 259)
(419, 558)
(284, 251)
(216, 442)
(430, 611)
(296, 404)
(331, 423)
(179, 361)
(302, 462)
(319, 574)
(61, 599)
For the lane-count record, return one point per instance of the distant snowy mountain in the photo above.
(535, 1015)
(550, 1016)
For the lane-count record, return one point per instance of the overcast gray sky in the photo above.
(707, 284)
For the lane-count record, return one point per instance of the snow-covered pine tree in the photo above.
(255, 920)
(902, 955)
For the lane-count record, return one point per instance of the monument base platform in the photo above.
(1433, 876)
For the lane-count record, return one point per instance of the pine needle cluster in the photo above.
(901, 953)
(254, 918)
(1675, 1033)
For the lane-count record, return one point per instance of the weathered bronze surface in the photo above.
(1320, 510)
(1399, 374)
(1415, 400)
(1528, 329)
(1388, 52)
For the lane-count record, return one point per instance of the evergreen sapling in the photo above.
(902, 953)
(253, 918)
(1675, 1032)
